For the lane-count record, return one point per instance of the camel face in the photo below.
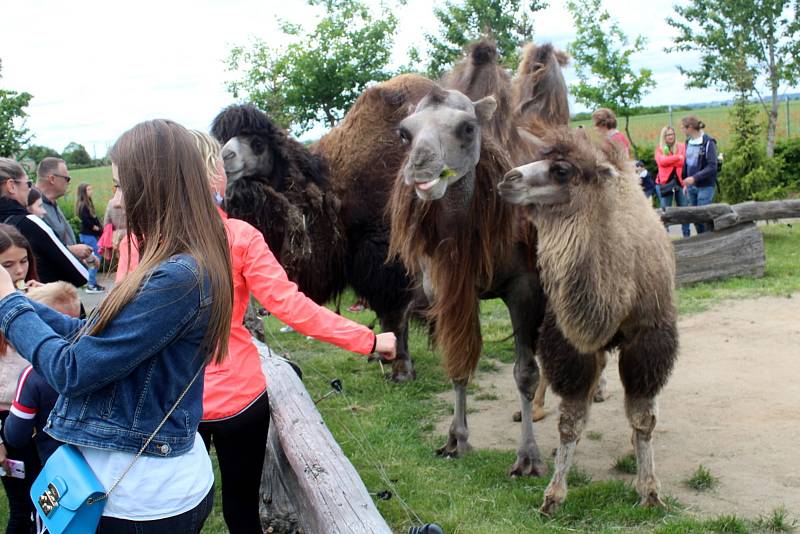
(445, 137)
(541, 182)
(246, 155)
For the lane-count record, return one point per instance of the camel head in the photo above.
(539, 89)
(444, 135)
(571, 167)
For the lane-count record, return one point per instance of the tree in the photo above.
(602, 56)
(38, 152)
(764, 32)
(508, 22)
(13, 133)
(319, 75)
(76, 154)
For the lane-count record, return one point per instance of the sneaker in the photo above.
(95, 289)
(286, 329)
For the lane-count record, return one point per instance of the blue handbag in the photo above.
(67, 495)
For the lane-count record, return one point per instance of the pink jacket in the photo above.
(233, 385)
(667, 162)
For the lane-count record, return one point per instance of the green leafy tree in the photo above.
(13, 133)
(38, 152)
(601, 54)
(763, 32)
(76, 154)
(508, 22)
(321, 73)
(748, 174)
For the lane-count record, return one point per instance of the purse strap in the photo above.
(149, 439)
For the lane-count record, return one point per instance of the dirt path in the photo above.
(732, 404)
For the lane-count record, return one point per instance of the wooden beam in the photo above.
(736, 251)
(318, 479)
(724, 215)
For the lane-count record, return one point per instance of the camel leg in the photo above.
(600, 393)
(538, 399)
(645, 363)
(402, 366)
(526, 311)
(457, 444)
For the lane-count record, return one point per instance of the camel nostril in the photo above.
(228, 155)
(512, 175)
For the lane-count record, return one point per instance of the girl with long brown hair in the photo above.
(90, 232)
(132, 370)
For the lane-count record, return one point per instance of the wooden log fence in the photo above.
(308, 484)
(733, 247)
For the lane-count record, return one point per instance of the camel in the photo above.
(453, 232)
(608, 271)
(322, 209)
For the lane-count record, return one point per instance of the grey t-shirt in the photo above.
(54, 217)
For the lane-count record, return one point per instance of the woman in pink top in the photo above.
(235, 402)
(605, 122)
(670, 156)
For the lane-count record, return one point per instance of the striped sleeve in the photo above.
(24, 404)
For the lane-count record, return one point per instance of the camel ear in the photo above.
(484, 108)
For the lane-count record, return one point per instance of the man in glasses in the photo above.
(53, 181)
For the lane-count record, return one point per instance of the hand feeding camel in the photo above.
(451, 229)
(322, 210)
(608, 271)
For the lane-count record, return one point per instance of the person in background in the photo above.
(35, 206)
(53, 260)
(700, 169)
(53, 181)
(17, 260)
(235, 401)
(645, 179)
(670, 157)
(89, 233)
(120, 374)
(605, 122)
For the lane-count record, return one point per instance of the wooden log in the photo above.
(320, 483)
(726, 216)
(736, 251)
(693, 214)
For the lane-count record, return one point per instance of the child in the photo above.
(645, 179)
(35, 398)
(89, 233)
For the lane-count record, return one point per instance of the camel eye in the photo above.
(405, 135)
(257, 145)
(467, 130)
(561, 171)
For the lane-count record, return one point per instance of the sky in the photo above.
(96, 68)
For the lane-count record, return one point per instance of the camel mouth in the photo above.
(428, 185)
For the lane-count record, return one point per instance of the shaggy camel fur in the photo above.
(608, 271)
(322, 210)
(451, 229)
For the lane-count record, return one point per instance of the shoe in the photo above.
(355, 308)
(95, 289)
(286, 329)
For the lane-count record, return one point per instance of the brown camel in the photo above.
(450, 228)
(608, 271)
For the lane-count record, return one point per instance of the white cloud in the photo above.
(97, 68)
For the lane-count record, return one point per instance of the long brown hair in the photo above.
(84, 200)
(11, 237)
(169, 210)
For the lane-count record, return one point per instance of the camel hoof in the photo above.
(403, 371)
(549, 507)
(525, 466)
(538, 414)
(517, 417)
(599, 396)
(652, 500)
(450, 450)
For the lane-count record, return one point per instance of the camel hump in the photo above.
(483, 52)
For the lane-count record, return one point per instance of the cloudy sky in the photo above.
(95, 68)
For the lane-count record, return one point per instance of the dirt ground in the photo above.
(732, 405)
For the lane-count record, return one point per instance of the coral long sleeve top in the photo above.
(233, 385)
(667, 162)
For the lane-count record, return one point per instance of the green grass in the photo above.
(702, 480)
(626, 464)
(778, 521)
(645, 129)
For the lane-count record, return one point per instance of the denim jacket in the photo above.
(116, 387)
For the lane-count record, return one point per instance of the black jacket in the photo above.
(88, 222)
(54, 261)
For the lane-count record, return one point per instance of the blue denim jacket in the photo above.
(115, 388)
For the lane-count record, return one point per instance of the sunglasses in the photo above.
(67, 178)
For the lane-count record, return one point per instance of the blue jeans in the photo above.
(190, 522)
(700, 196)
(680, 201)
(91, 240)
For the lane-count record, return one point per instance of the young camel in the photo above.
(608, 271)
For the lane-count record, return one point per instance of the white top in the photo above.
(154, 488)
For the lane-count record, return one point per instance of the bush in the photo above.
(749, 175)
(647, 153)
(789, 151)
